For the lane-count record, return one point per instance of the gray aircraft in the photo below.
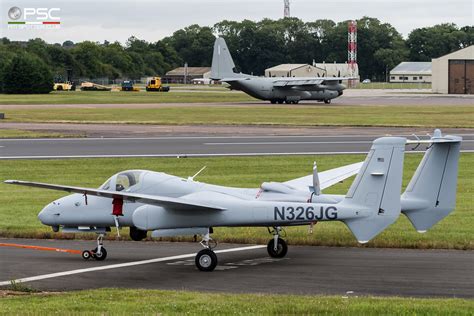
(170, 206)
(273, 89)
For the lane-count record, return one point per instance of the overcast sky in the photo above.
(111, 20)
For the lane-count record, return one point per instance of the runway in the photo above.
(245, 269)
(187, 146)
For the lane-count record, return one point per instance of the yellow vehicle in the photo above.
(64, 86)
(154, 84)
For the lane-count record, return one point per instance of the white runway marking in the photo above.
(121, 265)
(204, 137)
(291, 143)
(206, 155)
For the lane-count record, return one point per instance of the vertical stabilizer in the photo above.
(431, 194)
(222, 63)
(376, 189)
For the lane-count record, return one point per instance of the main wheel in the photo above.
(282, 248)
(137, 234)
(206, 260)
(327, 101)
(86, 255)
(273, 101)
(102, 256)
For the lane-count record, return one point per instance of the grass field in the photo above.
(16, 133)
(432, 116)
(157, 302)
(118, 97)
(20, 205)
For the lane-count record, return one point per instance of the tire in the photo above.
(103, 254)
(280, 101)
(206, 260)
(86, 255)
(137, 234)
(273, 101)
(282, 248)
(327, 101)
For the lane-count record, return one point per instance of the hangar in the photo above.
(294, 70)
(186, 74)
(454, 73)
(314, 70)
(411, 71)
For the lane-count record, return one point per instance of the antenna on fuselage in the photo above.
(197, 173)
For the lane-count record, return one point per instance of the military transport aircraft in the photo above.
(170, 205)
(273, 89)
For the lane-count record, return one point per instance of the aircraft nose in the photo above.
(46, 215)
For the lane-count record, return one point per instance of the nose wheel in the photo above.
(99, 253)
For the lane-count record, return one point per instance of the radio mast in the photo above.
(286, 12)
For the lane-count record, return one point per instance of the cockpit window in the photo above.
(127, 180)
(105, 186)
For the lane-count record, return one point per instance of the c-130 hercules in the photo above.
(171, 206)
(273, 89)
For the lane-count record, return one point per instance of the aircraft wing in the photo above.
(168, 202)
(289, 82)
(326, 178)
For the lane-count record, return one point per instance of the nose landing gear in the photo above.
(99, 253)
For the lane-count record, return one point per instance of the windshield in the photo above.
(122, 181)
(126, 180)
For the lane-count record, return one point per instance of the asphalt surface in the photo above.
(191, 146)
(305, 270)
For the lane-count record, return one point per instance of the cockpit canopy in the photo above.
(124, 181)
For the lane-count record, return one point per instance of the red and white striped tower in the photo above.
(352, 49)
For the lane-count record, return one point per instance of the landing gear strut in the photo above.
(206, 259)
(277, 247)
(99, 253)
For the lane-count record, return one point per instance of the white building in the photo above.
(411, 71)
(454, 73)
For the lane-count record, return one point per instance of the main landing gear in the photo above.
(206, 259)
(277, 247)
(99, 253)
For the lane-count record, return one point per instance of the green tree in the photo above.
(432, 42)
(27, 74)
